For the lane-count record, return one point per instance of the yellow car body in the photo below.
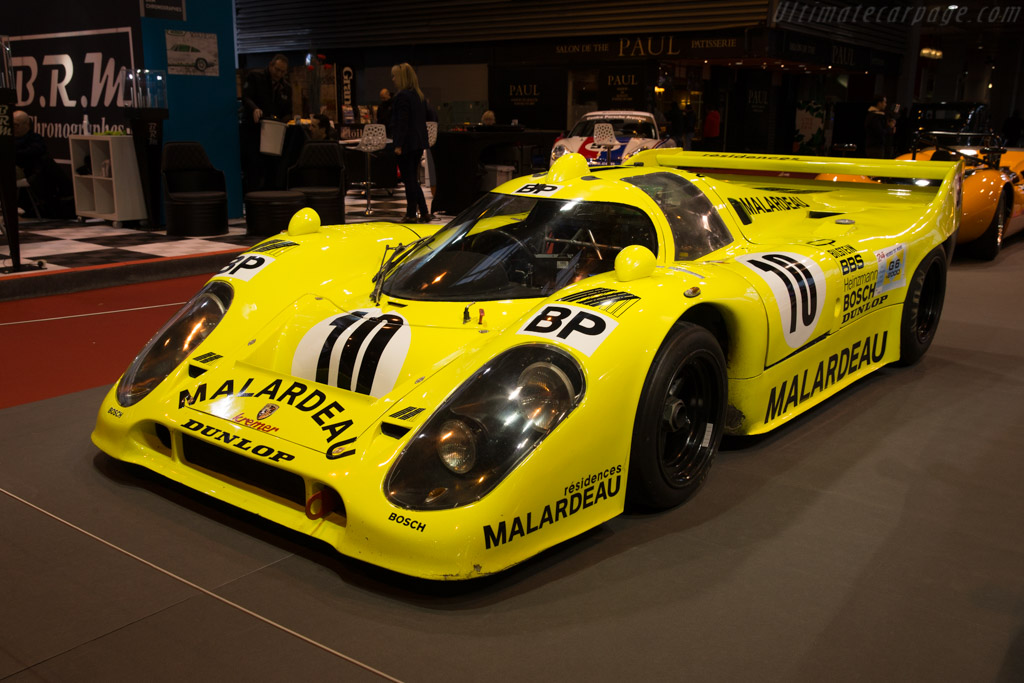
(277, 392)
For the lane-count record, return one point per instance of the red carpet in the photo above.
(60, 344)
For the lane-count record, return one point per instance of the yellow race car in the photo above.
(993, 201)
(449, 402)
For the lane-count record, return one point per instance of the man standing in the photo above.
(877, 129)
(384, 110)
(266, 94)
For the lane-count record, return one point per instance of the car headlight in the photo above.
(486, 428)
(178, 338)
(558, 151)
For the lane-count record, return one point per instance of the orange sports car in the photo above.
(993, 189)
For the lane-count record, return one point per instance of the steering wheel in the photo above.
(522, 246)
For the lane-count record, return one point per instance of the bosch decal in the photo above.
(362, 351)
(236, 441)
(798, 284)
(563, 508)
(246, 266)
(407, 521)
(791, 393)
(581, 329)
(115, 412)
(297, 395)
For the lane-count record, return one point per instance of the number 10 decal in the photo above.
(798, 284)
(362, 351)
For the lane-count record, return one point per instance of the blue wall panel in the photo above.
(202, 108)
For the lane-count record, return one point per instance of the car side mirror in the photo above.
(634, 262)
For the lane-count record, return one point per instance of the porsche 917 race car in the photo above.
(449, 402)
(993, 201)
(634, 131)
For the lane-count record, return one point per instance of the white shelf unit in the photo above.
(113, 190)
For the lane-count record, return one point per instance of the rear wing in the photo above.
(804, 167)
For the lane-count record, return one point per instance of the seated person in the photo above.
(320, 128)
(45, 178)
(488, 118)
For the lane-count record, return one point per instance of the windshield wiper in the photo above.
(389, 262)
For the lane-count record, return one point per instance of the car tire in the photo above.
(922, 307)
(679, 420)
(991, 241)
(201, 64)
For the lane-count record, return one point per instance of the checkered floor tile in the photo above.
(62, 244)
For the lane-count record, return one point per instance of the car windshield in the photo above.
(511, 247)
(630, 127)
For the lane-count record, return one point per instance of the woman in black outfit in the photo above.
(409, 132)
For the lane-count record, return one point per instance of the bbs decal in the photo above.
(246, 266)
(798, 284)
(362, 351)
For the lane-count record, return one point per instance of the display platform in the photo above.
(875, 538)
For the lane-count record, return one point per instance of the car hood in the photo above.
(322, 372)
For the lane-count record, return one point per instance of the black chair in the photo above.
(195, 196)
(319, 174)
(267, 212)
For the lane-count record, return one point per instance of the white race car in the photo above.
(634, 131)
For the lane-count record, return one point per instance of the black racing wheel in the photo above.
(680, 419)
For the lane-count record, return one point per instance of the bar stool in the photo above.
(374, 139)
(604, 138)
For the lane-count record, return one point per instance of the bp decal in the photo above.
(362, 351)
(246, 266)
(798, 284)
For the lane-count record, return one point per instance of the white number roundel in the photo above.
(798, 284)
(362, 351)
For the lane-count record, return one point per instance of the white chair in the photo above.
(374, 139)
(604, 138)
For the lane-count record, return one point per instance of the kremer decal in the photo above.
(798, 284)
(297, 395)
(579, 328)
